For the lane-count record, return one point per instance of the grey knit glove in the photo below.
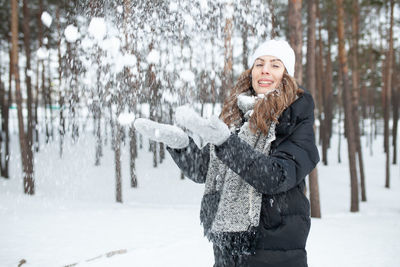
(211, 130)
(170, 135)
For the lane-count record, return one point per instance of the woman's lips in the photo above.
(265, 82)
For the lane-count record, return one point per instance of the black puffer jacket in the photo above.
(285, 212)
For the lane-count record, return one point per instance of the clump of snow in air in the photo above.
(203, 5)
(29, 73)
(186, 52)
(46, 19)
(246, 102)
(120, 9)
(71, 33)
(153, 57)
(97, 28)
(170, 97)
(129, 60)
(42, 53)
(229, 10)
(111, 45)
(173, 6)
(189, 21)
(187, 76)
(178, 83)
(170, 68)
(126, 118)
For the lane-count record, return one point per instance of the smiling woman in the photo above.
(257, 155)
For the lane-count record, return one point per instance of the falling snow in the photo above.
(71, 33)
(46, 19)
(97, 28)
(126, 118)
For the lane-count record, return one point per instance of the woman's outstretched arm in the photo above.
(192, 160)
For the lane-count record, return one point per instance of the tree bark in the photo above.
(395, 107)
(244, 45)
(5, 136)
(227, 76)
(117, 151)
(355, 96)
(133, 154)
(310, 81)
(273, 19)
(350, 132)
(295, 36)
(320, 78)
(328, 105)
(61, 101)
(27, 41)
(26, 153)
(4, 106)
(388, 89)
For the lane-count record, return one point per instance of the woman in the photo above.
(253, 209)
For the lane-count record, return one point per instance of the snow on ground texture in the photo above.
(73, 218)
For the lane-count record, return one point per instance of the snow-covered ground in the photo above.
(73, 217)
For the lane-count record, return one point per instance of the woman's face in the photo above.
(266, 74)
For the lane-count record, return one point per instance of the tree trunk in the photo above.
(244, 45)
(162, 152)
(311, 80)
(295, 36)
(273, 20)
(27, 43)
(49, 98)
(26, 153)
(321, 84)
(3, 139)
(395, 107)
(133, 155)
(328, 110)
(350, 132)
(117, 152)
(7, 132)
(43, 73)
(99, 144)
(388, 88)
(227, 76)
(61, 126)
(355, 96)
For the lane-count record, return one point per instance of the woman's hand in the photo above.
(170, 135)
(211, 130)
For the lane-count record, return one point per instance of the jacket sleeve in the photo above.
(192, 161)
(284, 168)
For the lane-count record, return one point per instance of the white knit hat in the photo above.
(277, 48)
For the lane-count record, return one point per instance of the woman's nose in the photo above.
(265, 69)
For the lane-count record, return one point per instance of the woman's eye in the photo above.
(259, 65)
(276, 66)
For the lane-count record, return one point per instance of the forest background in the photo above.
(65, 64)
(73, 71)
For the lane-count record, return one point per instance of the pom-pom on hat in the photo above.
(277, 48)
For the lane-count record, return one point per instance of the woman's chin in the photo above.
(263, 91)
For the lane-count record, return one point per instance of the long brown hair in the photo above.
(267, 109)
